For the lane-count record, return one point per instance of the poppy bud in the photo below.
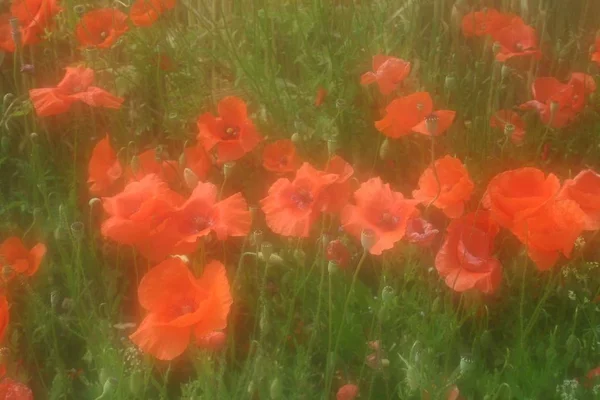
(94, 201)
(33, 136)
(450, 83)
(296, 138)
(190, 178)
(58, 233)
(384, 149)
(5, 143)
(387, 294)
(275, 390)
(466, 365)
(228, 168)
(266, 249)
(367, 239)
(258, 237)
(77, 230)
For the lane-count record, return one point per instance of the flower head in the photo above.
(101, 28)
(281, 157)
(15, 255)
(388, 72)
(510, 123)
(104, 168)
(146, 12)
(420, 232)
(584, 189)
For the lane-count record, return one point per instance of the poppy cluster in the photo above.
(26, 23)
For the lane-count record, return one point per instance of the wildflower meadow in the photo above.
(299, 199)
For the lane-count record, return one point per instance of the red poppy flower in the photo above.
(516, 40)
(101, 28)
(584, 190)
(420, 232)
(450, 190)
(147, 163)
(347, 392)
(15, 255)
(487, 22)
(138, 210)
(320, 97)
(146, 12)
(232, 133)
(213, 341)
(180, 305)
(559, 103)
(198, 161)
(104, 168)
(436, 123)
(592, 376)
(465, 259)
(35, 16)
(292, 207)
(404, 113)
(510, 123)
(338, 253)
(336, 195)
(380, 210)
(550, 231)
(517, 194)
(388, 72)
(13, 390)
(596, 53)
(7, 43)
(75, 87)
(281, 157)
(4, 317)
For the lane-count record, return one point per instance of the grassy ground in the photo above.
(70, 322)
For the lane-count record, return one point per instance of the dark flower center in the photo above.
(302, 198)
(231, 132)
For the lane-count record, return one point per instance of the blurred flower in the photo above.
(149, 162)
(487, 22)
(292, 207)
(347, 392)
(13, 390)
(104, 168)
(388, 72)
(465, 259)
(380, 210)
(449, 190)
(404, 113)
(281, 157)
(516, 39)
(198, 160)
(560, 103)
(232, 133)
(15, 255)
(338, 253)
(320, 97)
(584, 189)
(510, 123)
(75, 87)
(33, 18)
(436, 123)
(146, 12)
(335, 196)
(101, 28)
(420, 232)
(180, 305)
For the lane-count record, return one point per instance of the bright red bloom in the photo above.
(420, 232)
(436, 123)
(101, 28)
(4, 317)
(35, 16)
(559, 103)
(517, 194)
(379, 209)
(292, 207)
(487, 22)
(338, 253)
(104, 168)
(336, 195)
(550, 231)
(146, 12)
(516, 39)
(75, 87)
(13, 390)
(347, 392)
(180, 305)
(232, 133)
(388, 72)
(15, 255)
(214, 341)
(450, 190)
(404, 113)
(465, 259)
(510, 123)
(134, 213)
(596, 53)
(584, 190)
(198, 161)
(147, 163)
(320, 97)
(281, 157)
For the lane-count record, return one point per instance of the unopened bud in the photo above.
(450, 83)
(384, 149)
(228, 169)
(332, 267)
(77, 230)
(190, 178)
(296, 138)
(94, 201)
(367, 239)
